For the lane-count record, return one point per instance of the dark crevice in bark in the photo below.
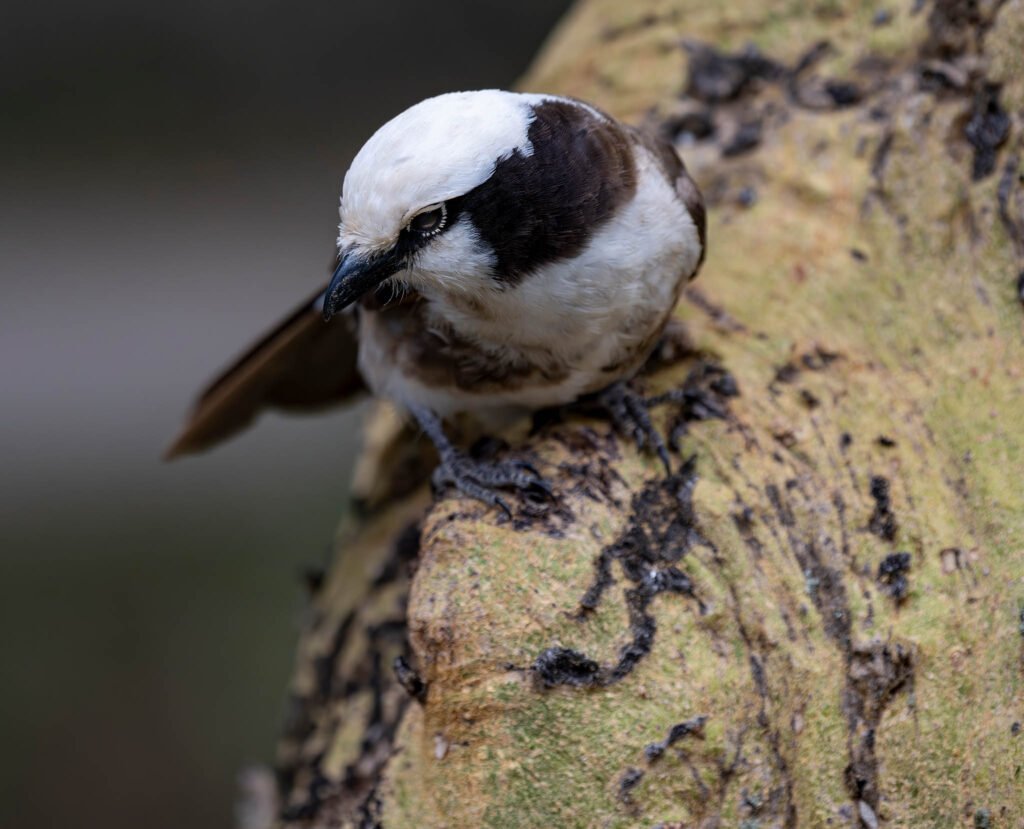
(875, 673)
(309, 795)
(1010, 197)
(779, 806)
(783, 808)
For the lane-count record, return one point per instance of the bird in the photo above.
(498, 253)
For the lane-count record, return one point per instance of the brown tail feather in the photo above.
(303, 363)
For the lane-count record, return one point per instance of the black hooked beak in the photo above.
(355, 276)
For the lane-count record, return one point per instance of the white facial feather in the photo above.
(438, 149)
(456, 262)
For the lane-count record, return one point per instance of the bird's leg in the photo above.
(477, 479)
(631, 416)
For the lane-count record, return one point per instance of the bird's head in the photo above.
(468, 191)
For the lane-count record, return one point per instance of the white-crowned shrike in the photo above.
(497, 252)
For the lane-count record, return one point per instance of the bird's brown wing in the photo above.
(303, 363)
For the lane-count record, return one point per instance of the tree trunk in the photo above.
(818, 618)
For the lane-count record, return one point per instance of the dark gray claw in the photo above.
(480, 479)
(630, 414)
(475, 478)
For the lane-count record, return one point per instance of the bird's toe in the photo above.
(482, 479)
(630, 415)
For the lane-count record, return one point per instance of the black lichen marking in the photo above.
(880, 160)
(602, 581)
(324, 665)
(816, 93)
(845, 441)
(404, 553)
(704, 395)
(746, 138)
(885, 441)
(317, 791)
(564, 666)
(744, 521)
(875, 673)
(691, 727)
(662, 535)
(1010, 198)
(817, 359)
(883, 521)
(809, 399)
(786, 373)
(1015, 729)
(1020, 287)
(782, 509)
(781, 804)
(629, 780)
(661, 529)
(954, 27)
(824, 583)
(829, 594)
(843, 93)
(937, 76)
(411, 681)
(371, 811)
(982, 819)
(719, 87)
(716, 77)
(892, 575)
(987, 130)
(695, 124)
(721, 82)
(309, 789)
(811, 56)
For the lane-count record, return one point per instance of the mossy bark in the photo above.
(739, 643)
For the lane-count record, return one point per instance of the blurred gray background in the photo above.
(169, 177)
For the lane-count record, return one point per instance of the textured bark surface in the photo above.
(818, 619)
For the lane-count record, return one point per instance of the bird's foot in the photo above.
(481, 479)
(630, 415)
(704, 395)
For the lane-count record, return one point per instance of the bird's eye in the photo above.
(429, 222)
